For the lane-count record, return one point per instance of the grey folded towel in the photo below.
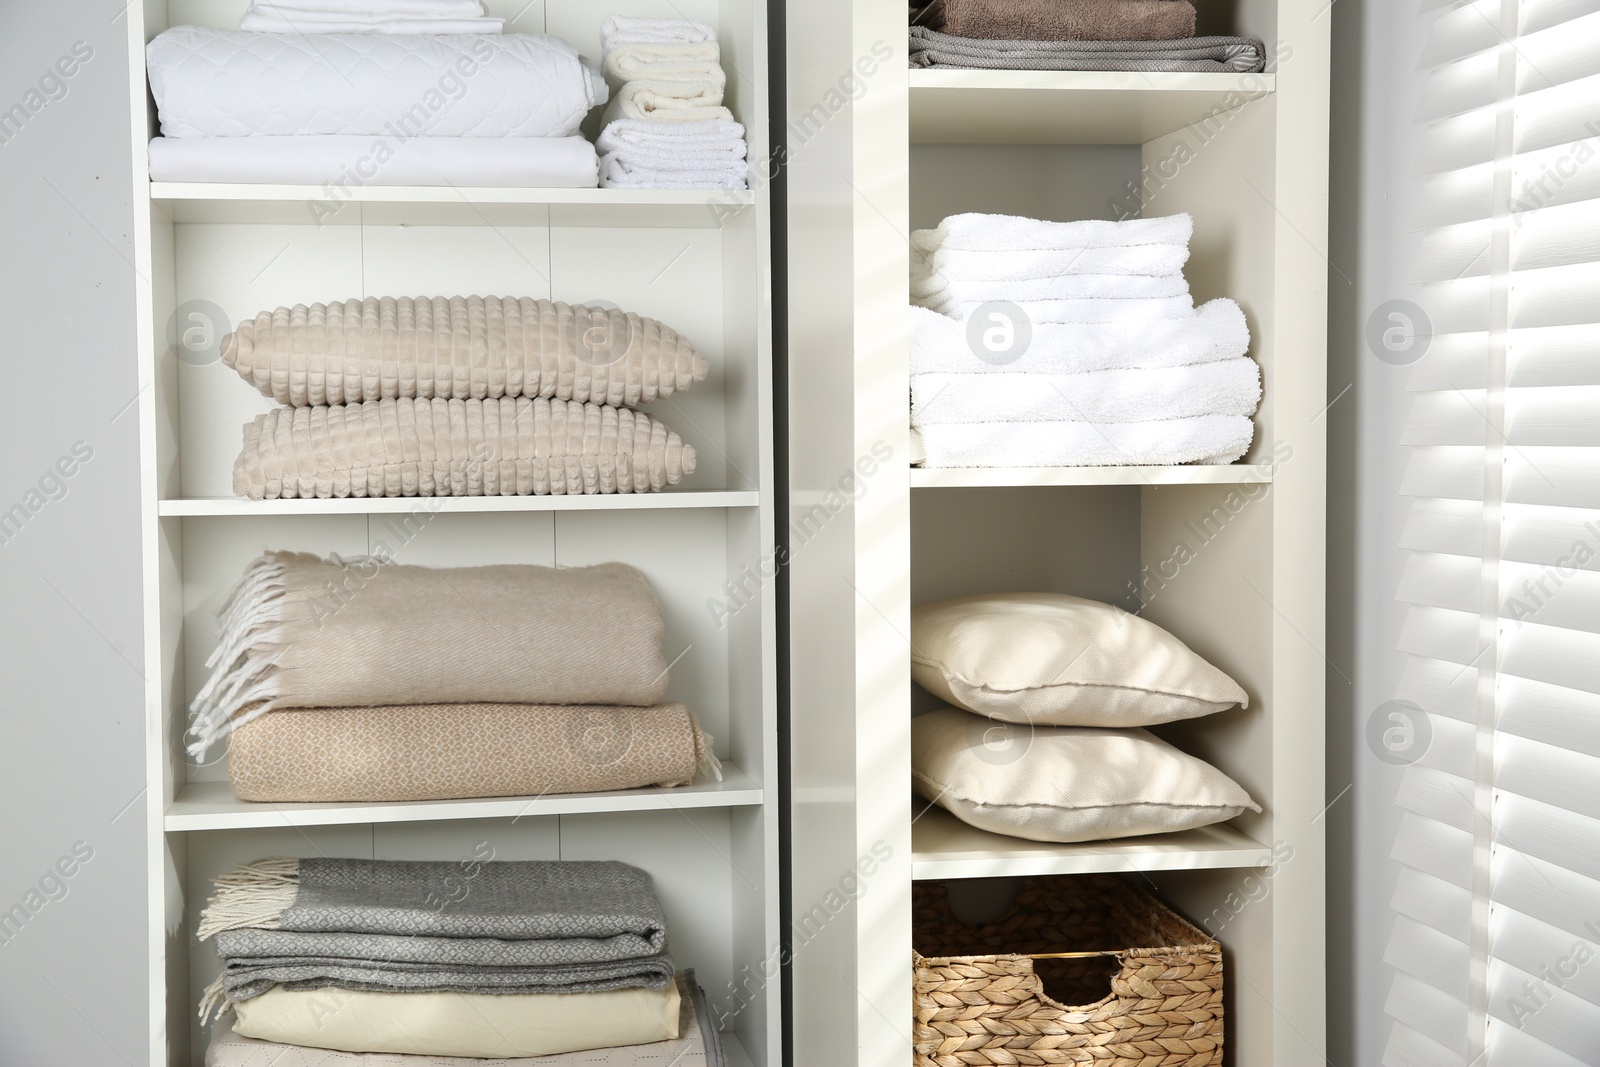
(1238, 55)
(1064, 20)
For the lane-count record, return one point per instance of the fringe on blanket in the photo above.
(252, 896)
(250, 620)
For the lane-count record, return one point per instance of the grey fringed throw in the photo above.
(396, 926)
(302, 632)
(460, 348)
(505, 447)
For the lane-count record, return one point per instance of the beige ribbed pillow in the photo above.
(1049, 658)
(1065, 783)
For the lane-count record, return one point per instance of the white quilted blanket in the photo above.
(229, 83)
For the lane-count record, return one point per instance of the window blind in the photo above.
(1495, 951)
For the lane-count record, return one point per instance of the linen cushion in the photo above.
(1049, 658)
(1064, 783)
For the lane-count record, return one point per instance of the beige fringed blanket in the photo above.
(460, 348)
(505, 447)
(303, 632)
(452, 751)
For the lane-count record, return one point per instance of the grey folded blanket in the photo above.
(505, 447)
(302, 632)
(1064, 20)
(483, 927)
(1238, 55)
(460, 348)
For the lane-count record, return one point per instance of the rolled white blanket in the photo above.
(1011, 232)
(662, 61)
(932, 285)
(1215, 330)
(1073, 311)
(1225, 387)
(674, 101)
(1016, 265)
(229, 83)
(1209, 439)
(312, 159)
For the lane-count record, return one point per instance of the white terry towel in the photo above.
(1207, 439)
(1154, 260)
(312, 159)
(617, 171)
(663, 61)
(1074, 311)
(1215, 330)
(1226, 387)
(624, 29)
(696, 100)
(932, 285)
(717, 141)
(1012, 232)
(268, 18)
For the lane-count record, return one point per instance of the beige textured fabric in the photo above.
(1064, 783)
(1049, 658)
(303, 632)
(1065, 20)
(455, 751)
(460, 1024)
(505, 447)
(459, 348)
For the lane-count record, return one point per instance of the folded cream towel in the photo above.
(1065, 20)
(663, 60)
(460, 348)
(1014, 233)
(673, 101)
(717, 141)
(618, 30)
(1215, 330)
(512, 446)
(618, 172)
(1067, 311)
(936, 285)
(1225, 387)
(303, 632)
(1015, 264)
(1207, 439)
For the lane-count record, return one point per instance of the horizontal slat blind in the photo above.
(1519, 978)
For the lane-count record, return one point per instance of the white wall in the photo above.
(71, 734)
(1376, 44)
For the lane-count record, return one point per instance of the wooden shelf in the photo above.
(943, 846)
(1069, 107)
(444, 205)
(213, 806)
(976, 477)
(446, 505)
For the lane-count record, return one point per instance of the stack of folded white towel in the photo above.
(1050, 344)
(666, 126)
(369, 16)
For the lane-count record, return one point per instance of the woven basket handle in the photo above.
(1069, 955)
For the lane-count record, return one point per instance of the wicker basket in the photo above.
(980, 990)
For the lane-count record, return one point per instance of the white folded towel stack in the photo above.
(369, 16)
(666, 126)
(1043, 344)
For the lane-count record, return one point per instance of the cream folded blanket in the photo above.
(1012, 233)
(663, 60)
(668, 101)
(460, 348)
(1215, 330)
(454, 751)
(1207, 439)
(1224, 387)
(303, 632)
(506, 447)
(1153, 260)
(461, 1024)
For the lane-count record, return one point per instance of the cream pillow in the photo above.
(1054, 659)
(1064, 783)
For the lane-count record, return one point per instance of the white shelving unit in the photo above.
(1246, 155)
(697, 260)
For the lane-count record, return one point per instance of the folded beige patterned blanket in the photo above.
(303, 632)
(459, 348)
(505, 447)
(456, 751)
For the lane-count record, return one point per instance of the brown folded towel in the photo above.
(457, 751)
(459, 348)
(505, 447)
(1064, 20)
